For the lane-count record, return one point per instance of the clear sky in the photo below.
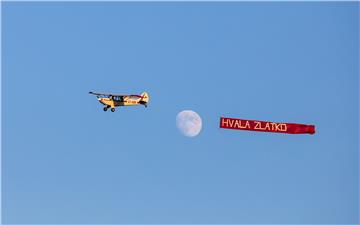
(64, 160)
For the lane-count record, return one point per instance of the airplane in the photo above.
(115, 100)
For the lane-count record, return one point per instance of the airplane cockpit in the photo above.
(118, 98)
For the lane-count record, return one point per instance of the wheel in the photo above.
(112, 109)
(105, 109)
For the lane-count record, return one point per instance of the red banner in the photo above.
(264, 126)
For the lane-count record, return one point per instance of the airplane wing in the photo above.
(115, 95)
(106, 94)
(94, 93)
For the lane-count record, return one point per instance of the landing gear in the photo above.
(112, 109)
(105, 108)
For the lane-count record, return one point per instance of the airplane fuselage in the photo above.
(115, 103)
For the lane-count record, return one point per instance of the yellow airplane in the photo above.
(113, 100)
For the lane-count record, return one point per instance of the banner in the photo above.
(265, 126)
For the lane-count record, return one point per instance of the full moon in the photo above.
(189, 123)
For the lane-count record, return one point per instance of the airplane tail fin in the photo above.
(144, 98)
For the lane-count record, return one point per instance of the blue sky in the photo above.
(64, 160)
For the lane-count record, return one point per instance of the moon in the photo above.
(189, 123)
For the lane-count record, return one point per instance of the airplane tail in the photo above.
(144, 98)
